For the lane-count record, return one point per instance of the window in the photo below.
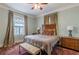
(18, 25)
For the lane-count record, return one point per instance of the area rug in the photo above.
(56, 51)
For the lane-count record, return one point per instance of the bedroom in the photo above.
(27, 21)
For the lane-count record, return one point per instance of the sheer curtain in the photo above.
(9, 36)
(19, 29)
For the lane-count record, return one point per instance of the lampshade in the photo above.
(38, 28)
(70, 27)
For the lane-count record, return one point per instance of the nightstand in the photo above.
(34, 33)
(69, 42)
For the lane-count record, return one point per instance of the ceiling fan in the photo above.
(38, 5)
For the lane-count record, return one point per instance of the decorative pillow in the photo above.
(48, 33)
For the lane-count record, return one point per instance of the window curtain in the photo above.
(26, 25)
(46, 19)
(9, 36)
(50, 18)
(53, 20)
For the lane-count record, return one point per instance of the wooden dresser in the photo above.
(69, 42)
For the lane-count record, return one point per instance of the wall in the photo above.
(69, 17)
(32, 24)
(40, 21)
(3, 24)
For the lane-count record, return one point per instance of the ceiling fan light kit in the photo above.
(38, 6)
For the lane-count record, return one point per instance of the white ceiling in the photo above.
(26, 8)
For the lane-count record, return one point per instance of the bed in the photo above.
(46, 40)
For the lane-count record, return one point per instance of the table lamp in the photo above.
(38, 30)
(70, 29)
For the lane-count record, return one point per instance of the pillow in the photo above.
(48, 33)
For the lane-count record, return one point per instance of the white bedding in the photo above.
(42, 41)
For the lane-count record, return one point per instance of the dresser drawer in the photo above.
(69, 42)
(77, 45)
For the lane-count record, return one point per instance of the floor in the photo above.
(56, 51)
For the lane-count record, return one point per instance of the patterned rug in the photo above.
(56, 51)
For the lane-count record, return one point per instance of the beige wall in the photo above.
(3, 24)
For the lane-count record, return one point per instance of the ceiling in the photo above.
(26, 7)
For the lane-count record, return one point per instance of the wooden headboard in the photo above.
(49, 29)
